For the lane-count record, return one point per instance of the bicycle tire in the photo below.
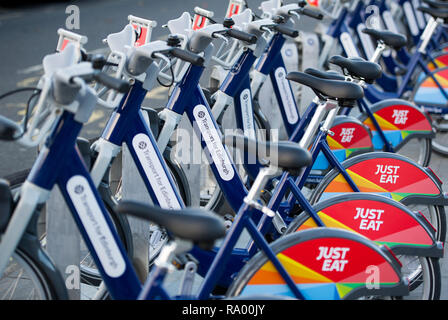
(286, 242)
(441, 129)
(429, 277)
(30, 263)
(437, 212)
(23, 267)
(424, 157)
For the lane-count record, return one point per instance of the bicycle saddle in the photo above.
(9, 130)
(435, 12)
(437, 4)
(194, 224)
(330, 75)
(335, 89)
(286, 155)
(358, 67)
(394, 40)
(5, 204)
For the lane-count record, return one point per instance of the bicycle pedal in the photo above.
(265, 196)
(295, 210)
(181, 260)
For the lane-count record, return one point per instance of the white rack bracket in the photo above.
(63, 242)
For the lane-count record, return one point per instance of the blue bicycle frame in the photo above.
(187, 97)
(372, 94)
(354, 21)
(271, 63)
(237, 85)
(390, 82)
(127, 125)
(60, 163)
(226, 262)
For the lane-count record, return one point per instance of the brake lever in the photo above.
(162, 57)
(80, 81)
(220, 36)
(267, 29)
(294, 13)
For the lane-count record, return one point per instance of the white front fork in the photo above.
(171, 119)
(30, 196)
(221, 101)
(258, 79)
(106, 152)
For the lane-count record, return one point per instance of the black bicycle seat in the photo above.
(9, 130)
(330, 75)
(394, 40)
(286, 155)
(358, 67)
(194, 224)
(335, 89)
(435, 12)
(437, 4)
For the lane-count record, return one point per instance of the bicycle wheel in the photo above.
(303, 255)
(26, 279)
(440, 142)
(417, 149)
(423, 273)
(435, 214)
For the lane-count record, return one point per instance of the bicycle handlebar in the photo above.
(286, 30)
(294, 9)
(119, 85)
(187, 56)
(308, 12)
(241, 35)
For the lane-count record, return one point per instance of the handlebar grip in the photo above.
(286, 30)
(111, 82)
(187, 56)
(241, 35)
(312, 13)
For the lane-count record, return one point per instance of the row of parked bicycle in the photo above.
(374, 224)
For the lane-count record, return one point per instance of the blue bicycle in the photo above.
(60, 162)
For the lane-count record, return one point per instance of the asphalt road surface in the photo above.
(28, 33)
